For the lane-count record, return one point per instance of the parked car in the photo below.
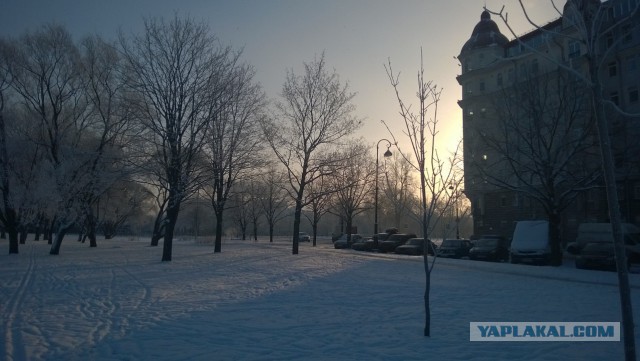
(415, 246)
(601, 232)
(303, 237)
(394, 241)
(530, 243)
(454, 248)
(598, 255)
(344, 242)
(362, 244)
(490, 248)
(370, 243)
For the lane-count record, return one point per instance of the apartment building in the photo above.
(531, 149)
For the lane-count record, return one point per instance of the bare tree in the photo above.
(319, 195)
(590, 25)
(436, 173)
(274, 201)
(109, 125)
(174, 72)
(234, 145)
(315, 112)
(241, 204)
(398, 187)
(119, 204)
(8, 213)
(46, 76)
(352, 184)
(542, 145)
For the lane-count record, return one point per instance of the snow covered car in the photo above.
(304, 237)
(343, 242)
(415, 247)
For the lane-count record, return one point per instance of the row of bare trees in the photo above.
(93, 121)
(95, 132)
(64, 129)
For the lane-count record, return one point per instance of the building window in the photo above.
(615, 98)
(636, 191)
(574, 49)
(613, 69)
(633, 94)
(609, 40)
(503, 201)
(499, 80)
(482, 87)
(510, 75)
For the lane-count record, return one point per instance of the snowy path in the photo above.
(256, 301)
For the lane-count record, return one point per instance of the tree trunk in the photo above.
(554, 239)
(13, 241)
(608, 167)
(314, 229)
(296, 226)
(23, 234)
(158, 229)
(271, 226)
(218, 243)
(91, 229)
(60, 233)
(38, 227)
(170, 223)
(155, 239)
(255, 230)
(427, 291)
(425, 257)
(348, 230)
(49, 230)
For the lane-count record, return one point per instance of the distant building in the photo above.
(494, 68)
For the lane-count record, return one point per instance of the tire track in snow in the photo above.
(11, 317)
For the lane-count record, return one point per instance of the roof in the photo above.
(485, 33)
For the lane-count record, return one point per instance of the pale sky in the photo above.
(357, 36)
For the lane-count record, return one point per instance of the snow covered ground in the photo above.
(256, 301)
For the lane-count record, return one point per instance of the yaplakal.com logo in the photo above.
(544, 331)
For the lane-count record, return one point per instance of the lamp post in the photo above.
(387, 154)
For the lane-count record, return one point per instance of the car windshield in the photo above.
(486, 242)
(451, 243)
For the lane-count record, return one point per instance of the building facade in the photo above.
(530, 142)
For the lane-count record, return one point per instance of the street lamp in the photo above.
(386, 154)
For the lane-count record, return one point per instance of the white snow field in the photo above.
(257, 301)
